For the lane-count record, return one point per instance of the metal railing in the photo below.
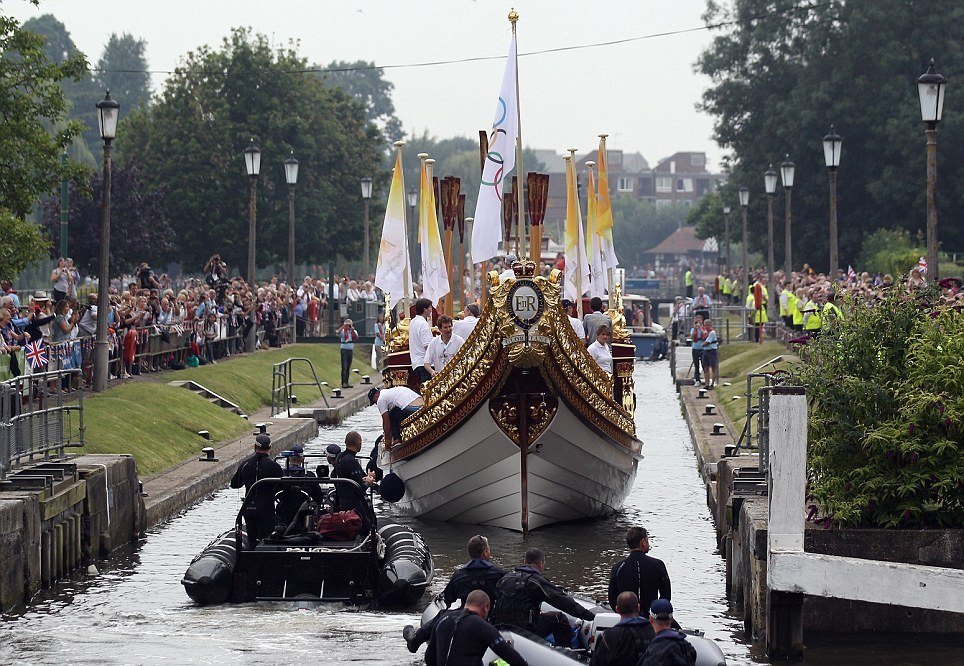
(282, 381)
(36, 421)
(758, 408)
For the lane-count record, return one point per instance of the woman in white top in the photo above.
(600, 350)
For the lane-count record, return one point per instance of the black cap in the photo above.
(332, 450)
(566, 304)
(371, 394)
(263, 442)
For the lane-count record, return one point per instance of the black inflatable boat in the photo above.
(387, 565)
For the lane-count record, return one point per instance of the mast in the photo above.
(407, 273)
(513, 18)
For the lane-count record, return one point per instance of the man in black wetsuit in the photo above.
(461, 638)
(519, 596)
(259, 517)
(479, 573)
(623, 643)
(668, 647)
(639, 573)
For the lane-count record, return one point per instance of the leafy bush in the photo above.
(890, 251)
(886, 426)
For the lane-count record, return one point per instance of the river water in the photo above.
(135, 611)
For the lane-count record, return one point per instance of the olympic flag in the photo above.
(499, 161)
(391, 274)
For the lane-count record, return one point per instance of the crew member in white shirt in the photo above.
(574, 321)
(419, 337)
(600, 350)
(464, 326)
(443, 348)
(508, 273)
(395, 404)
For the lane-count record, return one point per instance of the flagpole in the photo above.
(604, 155)
(407, 273)
(579, 248)
(523, 251)
(430, 173)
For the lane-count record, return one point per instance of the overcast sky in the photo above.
(643, 93)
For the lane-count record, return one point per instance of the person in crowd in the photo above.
(348, 467)
(711, 345)
(11, 344)
(465, 636)
(688, 281)
(395, 404)
(639, 573)
(623, 643)
(668, 647)
(368, 293)
(443, 347)
(6, 289)
(470, 317)
(697, 336)
(595, 319)
(701, 303)
(577, 327)
(347, 336)
(259, 516)
(520, 594)
(212, 331)
(601, 351)
(756, 303)
(381, 335)
(677, 316)
(61, 279)
(507, 272)
(353, 294)
(146, 278)
(419, 337)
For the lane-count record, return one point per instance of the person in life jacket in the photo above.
(756, 302)
(259, 516)
(668, 647)
(688, 281)
(812, 319)
(624, 642)
(520, 594)
(830, 311)
(463, 637)
(786, 299)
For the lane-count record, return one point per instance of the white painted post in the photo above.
(788, 469)
(787, 495)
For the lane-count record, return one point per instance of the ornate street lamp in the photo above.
(930, 88)
(291, 177)
(726, 235)
(770, 185)
(786, 175)
(366, 192)
(252, 166)
(107, 111)
(831, 156)
(744, 202)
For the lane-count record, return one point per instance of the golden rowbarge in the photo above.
(522, 428)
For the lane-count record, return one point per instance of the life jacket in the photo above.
(759, 316)
(795, 311)
(515, 604)
(814, 322)
(832, 310)
(785, 309)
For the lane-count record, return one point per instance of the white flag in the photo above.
(392, 271)
(577, 267)
(597, 269)
(499, 161)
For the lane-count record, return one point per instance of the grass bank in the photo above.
(158, 423)
(736, 361)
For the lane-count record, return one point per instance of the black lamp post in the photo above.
(291, 177)
(770, 185)
(252, 165)
(726, 235)
(744, 202)
(107, 111)
(366, 192)
(831, 156)
(930, 88)
(786, 175)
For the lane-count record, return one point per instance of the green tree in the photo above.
(138, 220)
(122, 69)
(640, 226)
(31, 102)
(365, 82)
(890, 251)
(192, 138)
(782, 72)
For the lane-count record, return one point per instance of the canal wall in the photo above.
(737, 498)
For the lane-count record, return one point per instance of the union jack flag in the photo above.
(36, 354)
(851, 274)
(922, 265)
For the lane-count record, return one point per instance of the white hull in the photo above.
(474, 475)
